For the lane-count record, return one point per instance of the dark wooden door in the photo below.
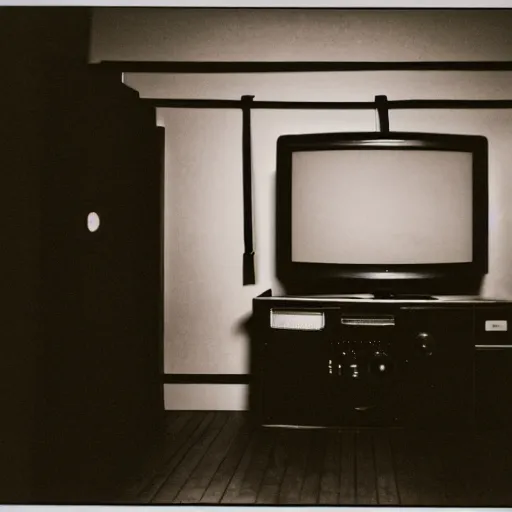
(101, 356)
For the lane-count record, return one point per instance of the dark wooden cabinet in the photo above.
(100, 403)
(427, 364)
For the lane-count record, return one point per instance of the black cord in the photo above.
(248, 258)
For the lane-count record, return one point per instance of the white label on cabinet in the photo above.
(495, 325)
(297, 320)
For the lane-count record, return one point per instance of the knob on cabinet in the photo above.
(380, 364)
(425, 343)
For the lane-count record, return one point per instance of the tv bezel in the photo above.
(289, 270)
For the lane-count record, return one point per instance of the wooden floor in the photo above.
(218, 458)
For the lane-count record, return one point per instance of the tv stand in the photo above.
(403, 361)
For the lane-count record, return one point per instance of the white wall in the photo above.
(312, 34)
(205, 301)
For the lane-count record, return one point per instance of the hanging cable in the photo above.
(248, 258)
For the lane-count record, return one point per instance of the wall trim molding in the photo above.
(206, 378)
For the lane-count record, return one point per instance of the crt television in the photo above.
(381, 206)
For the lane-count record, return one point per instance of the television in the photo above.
(381, 206)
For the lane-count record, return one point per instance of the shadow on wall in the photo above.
(243, 325)
(247, 326)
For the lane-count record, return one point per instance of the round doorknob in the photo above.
(93, 222)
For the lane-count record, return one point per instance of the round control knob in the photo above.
(425, 343)
(380, 364)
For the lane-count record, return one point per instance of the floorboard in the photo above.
(310, 491)
(222, 458)
(235, 484)
(348, 467)
(174, 424)
(366, 489)
(296, 453)
(176, 453)
(255, 471)
(274, 473)
(222, 477)
(196, 485)
(329, 491)
(419, 471)
(405, 471)
(203, 438)
(387, 490)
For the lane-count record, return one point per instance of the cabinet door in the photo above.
(101, 359)
(439, 379)
(295, 378)
(493, 388)
(493, 367)
(120, 272)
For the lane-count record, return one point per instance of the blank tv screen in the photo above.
(382, 206)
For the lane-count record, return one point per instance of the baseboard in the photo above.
(206, 397)
(206, 378)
